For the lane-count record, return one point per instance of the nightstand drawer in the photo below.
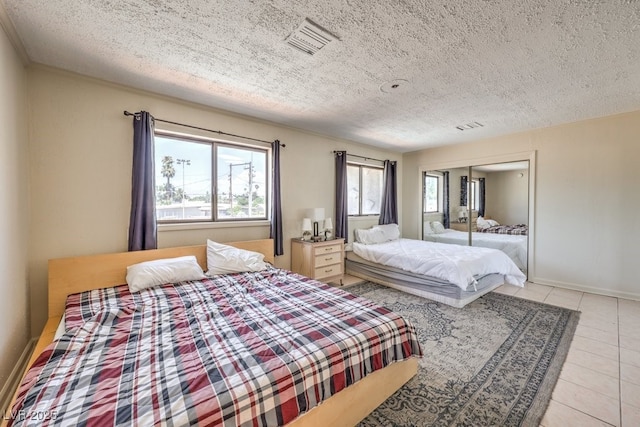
(330, 258)
(328, 271)
(326, 249)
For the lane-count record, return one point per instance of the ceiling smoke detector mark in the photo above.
(396, 85)
(471, 125)
(309, 37)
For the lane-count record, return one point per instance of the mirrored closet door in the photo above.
(442, 203)
(501, 207)
(479, 205)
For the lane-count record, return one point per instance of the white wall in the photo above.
(81, 170)
(14, 315)
(587, 200)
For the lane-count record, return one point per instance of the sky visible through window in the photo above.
(183, 172)
(196, 174)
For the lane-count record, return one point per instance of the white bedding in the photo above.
(454, 263)
(514, 246)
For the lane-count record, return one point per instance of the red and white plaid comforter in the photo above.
(252, 349)
(518, 229)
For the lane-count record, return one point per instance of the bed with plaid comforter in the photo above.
(237, 350)
(518, 229)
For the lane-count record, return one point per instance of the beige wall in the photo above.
(14, 316)
(81, 170)
(507, 196)
(587, 201)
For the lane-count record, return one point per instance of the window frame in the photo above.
(214, 143)
(474, 197)
(439, 193)
(360, 167)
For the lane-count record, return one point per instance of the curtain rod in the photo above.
(126, 113)
(362, 157)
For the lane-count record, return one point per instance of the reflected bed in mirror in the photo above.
(514, 246)
(463, 199)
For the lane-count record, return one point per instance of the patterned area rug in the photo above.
(494, 362)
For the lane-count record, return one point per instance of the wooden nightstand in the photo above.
(323, 261)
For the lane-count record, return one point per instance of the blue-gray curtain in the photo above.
(342, 210)
(143, 232)
(446, 220)
(389, 203)
(463, 190)
(276, 202)
(481, 197)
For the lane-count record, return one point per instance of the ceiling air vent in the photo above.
(471, 125)
(309, 37)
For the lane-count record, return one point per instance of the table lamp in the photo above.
(306, 229)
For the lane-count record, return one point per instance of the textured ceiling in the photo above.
(510, 65)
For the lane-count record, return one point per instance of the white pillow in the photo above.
(428, 227)
(225, 259)
(390, 231)
(369, 236)
(482, 223)
(160, 271)
(492, 222)
(437, 227)
(377, 234)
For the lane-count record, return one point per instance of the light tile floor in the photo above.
(600, 380)
(599, 384)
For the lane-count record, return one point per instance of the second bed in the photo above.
(451, 274)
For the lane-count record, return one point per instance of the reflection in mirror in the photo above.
(442, 202)
(503, 215)
(457, 201)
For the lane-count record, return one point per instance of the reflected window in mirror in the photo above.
(432, 193)
(473, 194)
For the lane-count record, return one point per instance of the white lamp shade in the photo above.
(316, 214)
(306, 224)
(328, 224)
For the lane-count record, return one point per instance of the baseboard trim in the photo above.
(582, 288)
(6, 394)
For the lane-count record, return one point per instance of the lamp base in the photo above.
(317, 238)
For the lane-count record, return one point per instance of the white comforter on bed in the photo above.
(514, 246)
(454, 263)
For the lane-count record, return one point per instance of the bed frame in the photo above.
(419, 285)
(77, 274)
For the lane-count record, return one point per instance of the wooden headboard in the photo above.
(72, 275)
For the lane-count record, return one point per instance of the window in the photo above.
(473, 194)
(431, 201)
(186, 189)
(365, 189)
